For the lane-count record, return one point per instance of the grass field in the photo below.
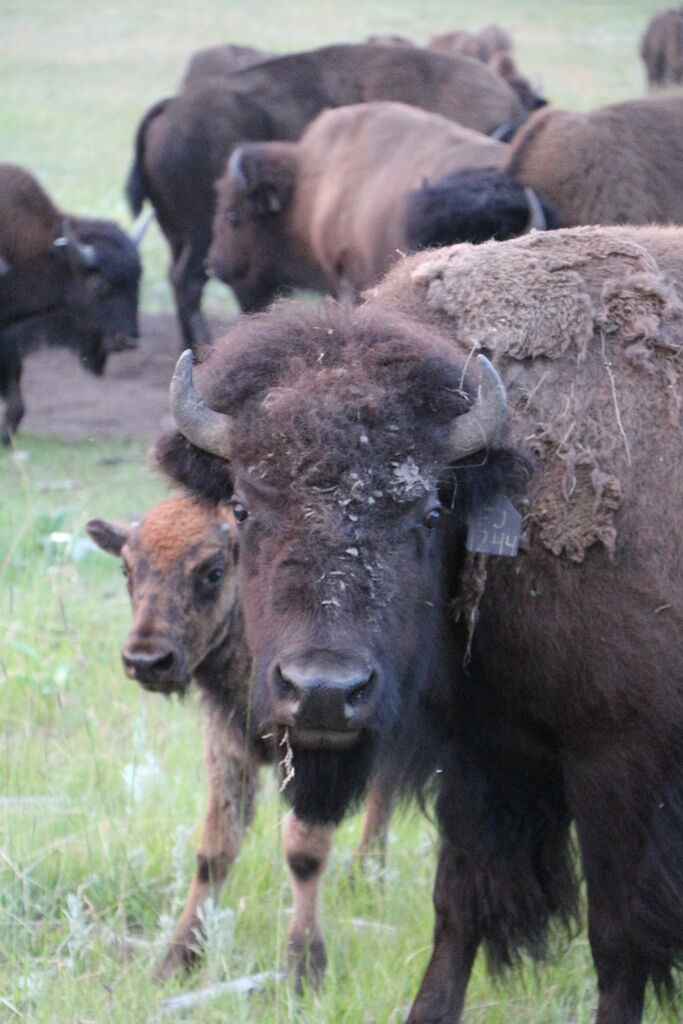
(102, 786)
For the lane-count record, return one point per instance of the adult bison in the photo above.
(64, 280)
(621, 164)
(370, 478)
(326, 212)
(179, 564)
(182, 143)
(661, 49)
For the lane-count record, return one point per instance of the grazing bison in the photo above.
(371, 469)
(64, 280)
(621, 164)
(222, 60)
(661, 49)
(179, 562)
(182, 143)
(326, 212)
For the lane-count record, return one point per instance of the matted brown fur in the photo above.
(543, 301)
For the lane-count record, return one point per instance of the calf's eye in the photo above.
(214, 576)
(240, 512)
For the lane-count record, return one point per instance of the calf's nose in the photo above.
(151, 667)
(325, 690)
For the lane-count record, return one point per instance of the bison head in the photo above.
(179, 567)
(101, 301)
(253, 248)
(473, 205)
(350, 446)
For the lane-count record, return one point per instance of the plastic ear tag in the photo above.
(495, 528)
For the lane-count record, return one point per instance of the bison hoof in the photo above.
(307, 963)
(179, 959)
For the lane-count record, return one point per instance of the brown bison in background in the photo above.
(661, 49)
(183, 143)
(64, 280)
(621, 164)
(222, 60)
(326, 212)
(482, 45)
(370, 469)
(179, 563)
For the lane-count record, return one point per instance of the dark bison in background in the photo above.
(326, 212)
(223, 59)
(179, 564)
(64, 280)
(183, 143)
(370, 466)
(661, 49)
(621, 164)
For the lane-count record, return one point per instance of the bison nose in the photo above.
(325, 691)
(152, 668)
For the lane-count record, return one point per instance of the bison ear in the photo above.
(265, 173)
(106, 535)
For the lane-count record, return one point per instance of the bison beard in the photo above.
(328, 784)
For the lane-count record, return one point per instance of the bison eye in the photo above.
(431, 518)
(215, 575)
(233, 217)
(240, 512)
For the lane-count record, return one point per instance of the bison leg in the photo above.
(456, 940)
(232, 779)
(188, 278)
(378, 807)
(307, 849)
(10, 389)
(612, 855)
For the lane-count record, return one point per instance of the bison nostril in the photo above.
(286, 690)
(359, 695)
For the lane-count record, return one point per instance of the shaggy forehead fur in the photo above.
(172, 526)
(337, 397)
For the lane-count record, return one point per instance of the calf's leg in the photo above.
(307, 848)
(378, 808)
(232, 780)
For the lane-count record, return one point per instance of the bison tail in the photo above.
(136, 183)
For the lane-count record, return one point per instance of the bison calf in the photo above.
(64, 280)
(188, 625)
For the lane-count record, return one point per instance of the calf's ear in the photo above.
(106, 535)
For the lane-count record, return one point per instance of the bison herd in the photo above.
(428, 543)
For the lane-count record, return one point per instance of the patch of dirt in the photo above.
(130, 401)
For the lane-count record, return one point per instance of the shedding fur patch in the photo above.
(568, 318)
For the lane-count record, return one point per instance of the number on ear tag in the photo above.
(494, 529)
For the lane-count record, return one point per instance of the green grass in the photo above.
(84, 854)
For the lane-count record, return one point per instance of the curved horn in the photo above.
(235, 169)
(205, 428)
(476, 428)
(141, 224)
(86, 253)
(537, 219)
